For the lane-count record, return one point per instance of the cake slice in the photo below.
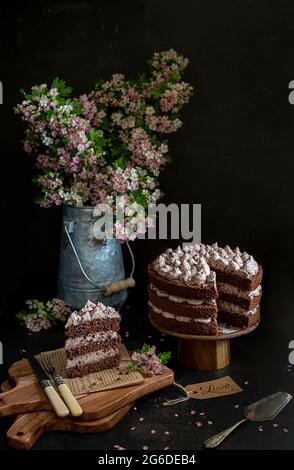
(93, 340)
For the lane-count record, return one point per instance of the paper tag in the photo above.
(213, 388)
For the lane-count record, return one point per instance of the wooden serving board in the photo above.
(28, 396)
(27, 428)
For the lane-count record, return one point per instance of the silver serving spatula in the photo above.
(263, 410)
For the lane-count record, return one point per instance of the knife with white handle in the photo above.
(57, 403)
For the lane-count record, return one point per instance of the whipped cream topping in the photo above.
(80, 341)
(180, 300)
(91, 312)
(193, 263)
(229, 289)
(88, 358)
(178, 317)
(185, 266)
(233, 308)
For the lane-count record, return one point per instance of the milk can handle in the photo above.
(78, 259)
(81, 266)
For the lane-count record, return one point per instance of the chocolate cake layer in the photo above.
(244, 302)
(181, 288)
(184, 309)
(88, 327)
(191, 328)
(238, 280)
(84, 369)
(92, 347)
(239, 320)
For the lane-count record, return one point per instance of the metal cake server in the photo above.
(263, 410)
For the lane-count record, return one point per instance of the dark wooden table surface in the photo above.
(259, 365)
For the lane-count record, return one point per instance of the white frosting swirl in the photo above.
(90, 312)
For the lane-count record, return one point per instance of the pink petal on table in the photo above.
(193, 412)
(116, 446)
(236, 406)
(145, 447)
(209, 422)
(202, 413)
(199, 424)
(166, 433)
(133, 428)
(176, 415)
(275, 425)
(152, 431)
(285, 430)
(166, 448)
(135, 409)
(141, 419)
(246, 383)
(260, 428)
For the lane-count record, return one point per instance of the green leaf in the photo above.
(63, 88)
(120, 162)
(174, 76)
(105, 124)
(140, 198)
(96, 137)
(164, 357)
(21, 317)
(156, 93)
(77, 109)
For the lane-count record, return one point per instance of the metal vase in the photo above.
(101, 261)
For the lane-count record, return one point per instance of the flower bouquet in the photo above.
(108, 143)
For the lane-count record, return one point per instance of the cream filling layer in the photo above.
(181, 300)
(80, 341)
(233, 308)
(89, 358)
(178, 317)
(229, 289)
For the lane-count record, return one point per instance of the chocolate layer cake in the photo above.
(193, 289)
(93, 341)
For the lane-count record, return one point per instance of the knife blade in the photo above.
(57, 403)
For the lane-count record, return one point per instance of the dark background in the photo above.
(234, 154)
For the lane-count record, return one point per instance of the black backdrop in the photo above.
(234, 154)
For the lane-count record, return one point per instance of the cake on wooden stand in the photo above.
(204, 295)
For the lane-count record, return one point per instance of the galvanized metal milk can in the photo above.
(86, 264)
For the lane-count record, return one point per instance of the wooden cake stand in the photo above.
(205, 352)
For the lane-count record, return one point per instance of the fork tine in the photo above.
(46, 363)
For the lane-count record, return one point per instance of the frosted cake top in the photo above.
(195, 263)
(91, 312)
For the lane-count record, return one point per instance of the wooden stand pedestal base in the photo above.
(204, 355)
(204, 352)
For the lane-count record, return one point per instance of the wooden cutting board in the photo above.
(27, 428)
(28, 396)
